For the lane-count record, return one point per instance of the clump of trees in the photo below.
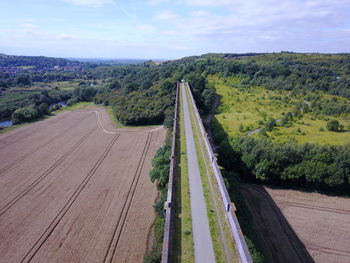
(160, 167)
(29, 113)
(154, 105)
(82, 93)
(203, 93)
(290, 164)
(36, 106)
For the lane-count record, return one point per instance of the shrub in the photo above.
(25, 114)
(43, 108)
(332, 125)
(271, 123)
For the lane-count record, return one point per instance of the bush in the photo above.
(271, 123)
(160, 170)
(333, 125)
(43, 108)
(25, 114)
(56, 107)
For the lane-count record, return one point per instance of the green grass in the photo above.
(215, 209)
(26, 67)
(76, 106)
(113, 118)
(183, 238)
(248, 106)
(62, 85)
(311, 130)
(10, 128)
(251, 107)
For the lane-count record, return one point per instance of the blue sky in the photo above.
(172, 28)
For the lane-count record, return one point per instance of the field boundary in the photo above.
(168, 205)
(242, 248)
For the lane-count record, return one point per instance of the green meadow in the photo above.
(245, 108)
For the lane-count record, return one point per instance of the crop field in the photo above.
(245, 109)
(300, 226)
(73, 188)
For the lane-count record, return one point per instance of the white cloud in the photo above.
(30, 29)
(64, 36)
(199, 13)
(29, 26)
(93, 3)
(146, 27)
(165, 15)
(210, 2)
(157, 2)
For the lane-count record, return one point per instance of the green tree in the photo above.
(43, 108)
(332, 125)
(271, 123)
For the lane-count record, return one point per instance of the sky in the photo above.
(169, 29)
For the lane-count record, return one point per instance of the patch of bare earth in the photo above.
(298, 226)
(73, 188)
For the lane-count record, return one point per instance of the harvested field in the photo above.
(73, 188)
(300, 226)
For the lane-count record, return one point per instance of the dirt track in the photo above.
(73, 188)
(299, 226)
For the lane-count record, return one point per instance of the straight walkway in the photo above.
(203, 245)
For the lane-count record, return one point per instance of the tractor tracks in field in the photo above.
(315, 207)
(113, 244)
(26, 132)
(122, 130)
(10, 165)
(327, 250)
(46, 173)
(49, 230)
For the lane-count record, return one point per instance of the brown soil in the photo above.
(300, 226)
(76, 189)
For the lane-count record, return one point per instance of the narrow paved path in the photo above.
(203, 245)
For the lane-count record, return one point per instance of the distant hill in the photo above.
(110, 61)
(36, 62)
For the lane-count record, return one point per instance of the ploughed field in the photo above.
(73, 188)
(297, 226)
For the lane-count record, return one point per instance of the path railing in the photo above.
(168, 206)
(242, 248)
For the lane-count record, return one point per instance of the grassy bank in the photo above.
(183, 250)
(220, 233)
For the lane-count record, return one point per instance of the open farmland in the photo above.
(297, 226)
(73, 188)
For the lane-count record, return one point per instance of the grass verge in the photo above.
(183, 249)
(221, 234)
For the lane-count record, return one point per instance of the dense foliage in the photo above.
(160, 170)
(160, 175)
(310, 165)
(15, 99)
(140, 95)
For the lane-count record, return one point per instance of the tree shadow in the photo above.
(266, 230)
(277, 237)
(176, 248)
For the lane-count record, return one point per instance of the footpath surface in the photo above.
(203, 245)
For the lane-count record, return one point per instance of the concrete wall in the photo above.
(242, 249)
(168, 206)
